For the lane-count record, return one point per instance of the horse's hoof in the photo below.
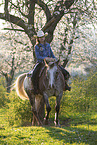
(33, 124)
(40, 123)
(57, 124)
(46, 121)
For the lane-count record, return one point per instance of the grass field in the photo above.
(78, 118)
(71, 133)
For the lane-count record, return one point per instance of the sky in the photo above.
(2, 25)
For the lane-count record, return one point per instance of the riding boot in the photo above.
(67, 87)
(29, 74)
(66, 77)
(34, 74)
(35, 89)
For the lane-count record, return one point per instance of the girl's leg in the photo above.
(34, 74)
(66, 77)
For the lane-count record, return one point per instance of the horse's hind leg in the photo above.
(33, 121)
(36, 118)
(34, 111)
(48, 109)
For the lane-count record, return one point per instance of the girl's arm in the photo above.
(52, 55)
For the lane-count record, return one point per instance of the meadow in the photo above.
(78, 118)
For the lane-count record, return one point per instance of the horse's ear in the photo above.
(57, 61)
(46, 62)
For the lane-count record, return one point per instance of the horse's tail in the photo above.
(20, 87)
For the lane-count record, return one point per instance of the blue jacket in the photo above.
(42, 51)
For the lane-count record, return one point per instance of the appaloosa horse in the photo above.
(51, 83)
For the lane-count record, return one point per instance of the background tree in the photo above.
(26, 15)
(15, 56)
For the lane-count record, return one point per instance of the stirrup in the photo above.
(67, 88)
(36, 92)
(29, 75)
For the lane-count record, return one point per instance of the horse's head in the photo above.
(52, 72)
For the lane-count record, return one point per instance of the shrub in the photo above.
(3, 95)
(81, 99)
(83, 96)
(20, 110)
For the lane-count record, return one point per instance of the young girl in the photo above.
(43, 51)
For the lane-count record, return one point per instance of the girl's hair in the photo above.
(38, 42)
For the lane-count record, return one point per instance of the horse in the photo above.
(24, 89)
(51, 83)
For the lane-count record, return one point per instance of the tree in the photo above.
(24, 14)
(16, 59)
(25, 11)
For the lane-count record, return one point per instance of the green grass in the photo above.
(74, 132)
(49, 135)
(78, 118)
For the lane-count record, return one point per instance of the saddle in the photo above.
(38, 72)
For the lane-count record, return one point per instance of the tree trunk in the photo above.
(9, 82)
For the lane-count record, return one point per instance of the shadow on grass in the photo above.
(73, 135)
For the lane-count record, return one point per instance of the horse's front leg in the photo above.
(57, 108)
(48, 109)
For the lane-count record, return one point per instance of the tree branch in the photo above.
(19, 22)
(68, 3)
(49, 23)
(14, 29)
(3, 73)
(19, 9)
(6, 9)
(45, 8)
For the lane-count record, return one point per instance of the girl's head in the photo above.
(41, 39)
(41, 36)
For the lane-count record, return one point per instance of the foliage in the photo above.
(15, 54)
(82, 97)
(3, 95)
(63, 20)
(80, 100)
(17, 57)
(78, 118)
(75, 135)
(31, 16)
(20, 111)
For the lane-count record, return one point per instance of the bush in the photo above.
(80, 100)
(20, 110)
(3, 95)
(83, 96)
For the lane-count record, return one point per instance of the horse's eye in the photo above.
(48, 74)
(56, 74)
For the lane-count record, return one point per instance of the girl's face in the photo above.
(42, 39)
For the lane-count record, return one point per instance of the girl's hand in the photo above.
(50, 59)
